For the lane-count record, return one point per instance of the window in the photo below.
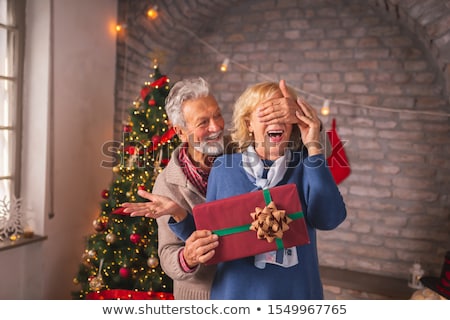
(11, 66)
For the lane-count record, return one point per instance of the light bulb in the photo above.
(224, 65)
(152, 13)
(120, 27)
(325, 108)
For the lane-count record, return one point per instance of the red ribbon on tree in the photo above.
(119, 211)
(133, 149)
(337, 161)
(159, 82)
(169, 134)
(155, 84)
(145, 91)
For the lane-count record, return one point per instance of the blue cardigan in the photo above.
(323, 207)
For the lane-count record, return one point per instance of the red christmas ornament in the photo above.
(155, 140)
(135, 238)
(127, 128)
(133, 150)
(99, 225)
(128, 150)
(105, 194)
(164, 161)
(151, 102)
(124, 272)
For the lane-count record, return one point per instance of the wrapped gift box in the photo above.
(231, 219)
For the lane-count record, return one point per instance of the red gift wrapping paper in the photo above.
(234, 212)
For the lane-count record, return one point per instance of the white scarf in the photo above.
(254, 168)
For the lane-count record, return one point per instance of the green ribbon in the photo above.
(246, 227)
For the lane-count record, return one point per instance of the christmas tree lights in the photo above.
(121, 256)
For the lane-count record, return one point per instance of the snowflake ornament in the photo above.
(11, 218)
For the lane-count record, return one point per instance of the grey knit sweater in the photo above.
(172, 183)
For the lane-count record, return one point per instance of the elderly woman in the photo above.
(277, 145)
(272, 155)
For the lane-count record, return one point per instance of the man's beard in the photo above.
(210, 146)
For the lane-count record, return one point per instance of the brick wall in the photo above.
(362, 56)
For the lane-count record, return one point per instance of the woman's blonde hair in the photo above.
(249, 100)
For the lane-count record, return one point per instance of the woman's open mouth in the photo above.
(275, 136)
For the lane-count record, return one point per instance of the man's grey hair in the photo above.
(184, 90)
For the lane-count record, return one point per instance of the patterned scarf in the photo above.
(196, 176)
(254, 168)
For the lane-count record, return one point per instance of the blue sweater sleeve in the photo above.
(214, 178)
(325, 205)
(184, 228)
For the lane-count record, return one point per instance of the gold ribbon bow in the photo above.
(269, 222)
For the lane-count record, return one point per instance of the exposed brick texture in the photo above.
(360, 54)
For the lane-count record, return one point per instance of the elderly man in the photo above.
(197, 120)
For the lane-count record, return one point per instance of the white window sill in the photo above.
(22, 241)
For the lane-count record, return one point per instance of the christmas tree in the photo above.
(121, 256)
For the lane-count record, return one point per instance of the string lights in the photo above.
(224, 65)
(120, 27)
(325, 108)
(152, 13)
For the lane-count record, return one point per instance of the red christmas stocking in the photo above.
(337, 162)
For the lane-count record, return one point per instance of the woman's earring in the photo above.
(250, 134)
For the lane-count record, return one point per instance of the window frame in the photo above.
(16, 22)
(16, 10)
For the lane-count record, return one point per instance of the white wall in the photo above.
(73, 74)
